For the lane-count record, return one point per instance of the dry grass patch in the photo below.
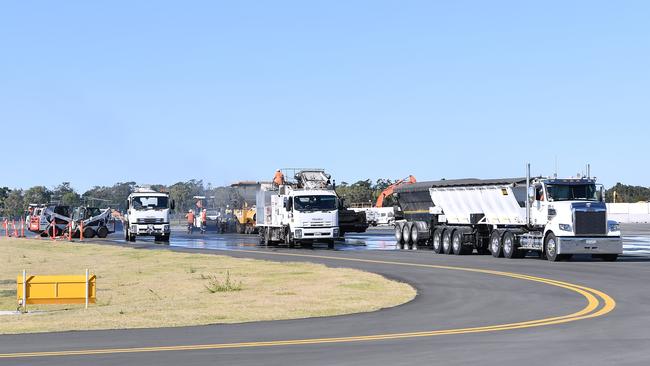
(139, 288)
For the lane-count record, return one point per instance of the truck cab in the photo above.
(148, 215)
(573, 216)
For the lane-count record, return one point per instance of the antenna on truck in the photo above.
(527, 194)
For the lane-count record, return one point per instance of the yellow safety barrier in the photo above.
(56, 289)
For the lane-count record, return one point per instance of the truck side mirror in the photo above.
(601, 196)
(172, 205)
(127, 204)
(288, 204)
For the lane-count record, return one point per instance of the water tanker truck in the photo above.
(508, 217)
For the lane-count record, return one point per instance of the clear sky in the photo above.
(96, 92)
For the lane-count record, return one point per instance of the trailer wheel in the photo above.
(457, 243)
(89, 233)
(415, 236)
(262, 234)
(406, 234)
(102, 232)
(496, 245)
(437, 241)
(446, 241)
(509, 246)
(398, 235)
(550, 248)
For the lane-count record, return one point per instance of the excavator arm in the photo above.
(391, 188)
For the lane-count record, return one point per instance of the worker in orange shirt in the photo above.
(190, 221)
(278, 179)
(204, 220)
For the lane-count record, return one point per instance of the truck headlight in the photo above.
(297, 234)
(166, 228)
(565, 227)
(614, 226)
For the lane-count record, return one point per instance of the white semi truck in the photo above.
(300, 212)
(148, 215)
(508, 217)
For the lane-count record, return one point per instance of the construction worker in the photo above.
(190, 221)
(278, 179)
(204, 220)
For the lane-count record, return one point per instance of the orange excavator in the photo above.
(389, 190)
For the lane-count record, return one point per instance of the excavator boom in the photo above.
(391, 188)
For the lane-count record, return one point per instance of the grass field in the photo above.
(138, 288)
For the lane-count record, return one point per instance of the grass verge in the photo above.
(139, 288)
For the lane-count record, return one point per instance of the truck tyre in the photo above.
(437, 241)
(496, 245)
(406, 234)
(132, 238)
(262, 235)
(510, 246)
(414, 235)
(165, 238)
(550, 248)
(330, 244)
(457, 243)
(102, 232)
(446, 241)
(89, 233)
(398, 236)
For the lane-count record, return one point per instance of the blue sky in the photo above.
(157, 92)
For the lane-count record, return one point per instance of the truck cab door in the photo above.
(539, 208)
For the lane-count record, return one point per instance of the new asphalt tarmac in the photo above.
(469, 310)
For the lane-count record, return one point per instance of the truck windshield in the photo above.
(315, 203)
(144, 202)
(572, 192)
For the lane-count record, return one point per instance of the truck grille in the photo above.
(590, 222)
(149, 221)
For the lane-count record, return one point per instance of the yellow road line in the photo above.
(598, 304)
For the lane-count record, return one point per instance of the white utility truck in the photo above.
(508, 217)
(300, 212)
(148, 215)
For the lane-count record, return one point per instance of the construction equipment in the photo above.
(391, 188)
(245, 220)
(95, 222)
(508, 217)
(42, 217)
(298, 212)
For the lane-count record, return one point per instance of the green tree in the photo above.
(627, 193)
(37, 194)
(14, 204)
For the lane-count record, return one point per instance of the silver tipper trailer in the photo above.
(508, 217)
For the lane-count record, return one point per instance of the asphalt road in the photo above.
(611, 327)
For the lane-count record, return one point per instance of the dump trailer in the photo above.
(508, 217)
(303, 211)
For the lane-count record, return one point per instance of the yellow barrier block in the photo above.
(56, 289)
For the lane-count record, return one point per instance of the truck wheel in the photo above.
(550, 248)
(126, 234)
(457, 243)
(330, 244)
(509, 246)
(89, 233)
(398, 235)
(132, 238)
(437, 241)
(406, 234)
(496, 246)
(446, 241)
(414, 236)
(262, 234)
(165, 238)
(102, 232)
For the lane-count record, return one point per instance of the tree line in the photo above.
(14, 202)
